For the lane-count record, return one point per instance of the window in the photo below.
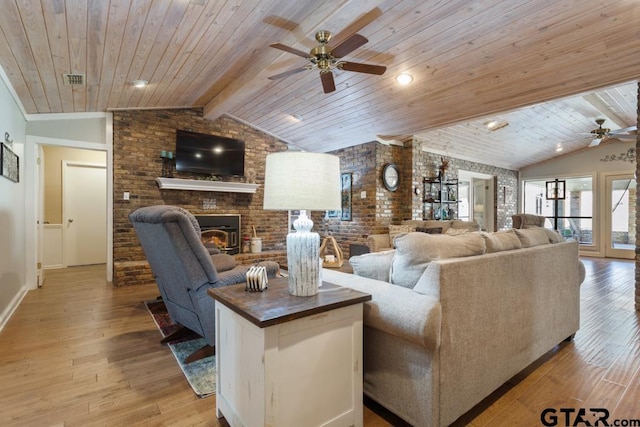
(573, 216)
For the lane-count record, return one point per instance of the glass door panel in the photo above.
(620, 216)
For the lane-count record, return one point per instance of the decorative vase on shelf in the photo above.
(443, 169)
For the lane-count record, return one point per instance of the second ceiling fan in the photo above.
(603, 134)
(326, 57)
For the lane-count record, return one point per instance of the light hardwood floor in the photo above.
(79, 352)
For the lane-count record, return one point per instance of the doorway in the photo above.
(620, 216)
(477, 198)
(84, 212)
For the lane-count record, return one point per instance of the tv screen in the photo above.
(209, 154)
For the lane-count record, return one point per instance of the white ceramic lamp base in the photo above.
(303, 253)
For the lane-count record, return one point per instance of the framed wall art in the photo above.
(345, 194)
(333, 214)
(9, 163)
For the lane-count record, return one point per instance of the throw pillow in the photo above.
(430, 230)
(501, 241)
(530, 237)
(414, 251)
(223, 262)
(394, 230)
(427, 223)
(554, 236)
(375, 265)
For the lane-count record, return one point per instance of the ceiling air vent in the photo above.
(73, 79)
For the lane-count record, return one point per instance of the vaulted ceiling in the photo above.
(472, 61)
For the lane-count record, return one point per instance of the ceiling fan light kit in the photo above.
(327, 58)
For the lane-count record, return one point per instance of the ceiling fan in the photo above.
(326, 57)
(604, 134)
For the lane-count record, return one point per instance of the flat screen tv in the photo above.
(209, 154)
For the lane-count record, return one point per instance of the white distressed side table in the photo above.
(283, 360)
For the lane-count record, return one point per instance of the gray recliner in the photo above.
(523, 220)
(184, 269)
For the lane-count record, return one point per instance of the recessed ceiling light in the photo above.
(297, 118)
(404, 78)
(558, 148)
(139, 83)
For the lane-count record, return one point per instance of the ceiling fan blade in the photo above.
(595, 142)
(363, 68)
(625, 130)
(287, 73)
(290, 49)
(328, 83)
(356, 26)
(348, 46)
(622, 136)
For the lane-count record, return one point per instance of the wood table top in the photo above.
(275, 305)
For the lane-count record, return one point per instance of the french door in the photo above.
(620, 216)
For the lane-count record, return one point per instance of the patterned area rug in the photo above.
(200, 374)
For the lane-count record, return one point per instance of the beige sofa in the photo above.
(384, 241)
(484, 307)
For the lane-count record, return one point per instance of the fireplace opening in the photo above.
(223, 231)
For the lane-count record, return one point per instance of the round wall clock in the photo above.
(390, 177)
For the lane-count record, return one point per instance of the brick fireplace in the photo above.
(223, 231)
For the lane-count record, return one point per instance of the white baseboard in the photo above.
(13, 305)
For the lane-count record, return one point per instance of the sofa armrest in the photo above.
(378, 242)
(395, 310)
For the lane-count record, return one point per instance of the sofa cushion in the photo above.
(530, 237)
(427, 223)
(414, 251)
(429, 230)
(468, 225)
(394, 230)
(456, 231)
(554, 236)
(375, 265)
(499, 241)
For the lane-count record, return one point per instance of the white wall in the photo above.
(12, 207)
(88, 128)
(586, 161)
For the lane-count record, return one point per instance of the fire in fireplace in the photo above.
(222, 231)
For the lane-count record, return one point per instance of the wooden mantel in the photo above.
(204, 185)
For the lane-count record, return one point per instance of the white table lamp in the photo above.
(302, 181)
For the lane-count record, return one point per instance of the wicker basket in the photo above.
(339, 259)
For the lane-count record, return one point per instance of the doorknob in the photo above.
(69, 220)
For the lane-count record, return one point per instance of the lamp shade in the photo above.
(301, 180)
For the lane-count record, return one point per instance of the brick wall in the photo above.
(424, 163)
(139, 136)
(382, 207)
(360, 162)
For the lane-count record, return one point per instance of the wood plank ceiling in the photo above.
(471, 61)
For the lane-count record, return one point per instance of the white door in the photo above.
(84, 211)
(620, 216)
